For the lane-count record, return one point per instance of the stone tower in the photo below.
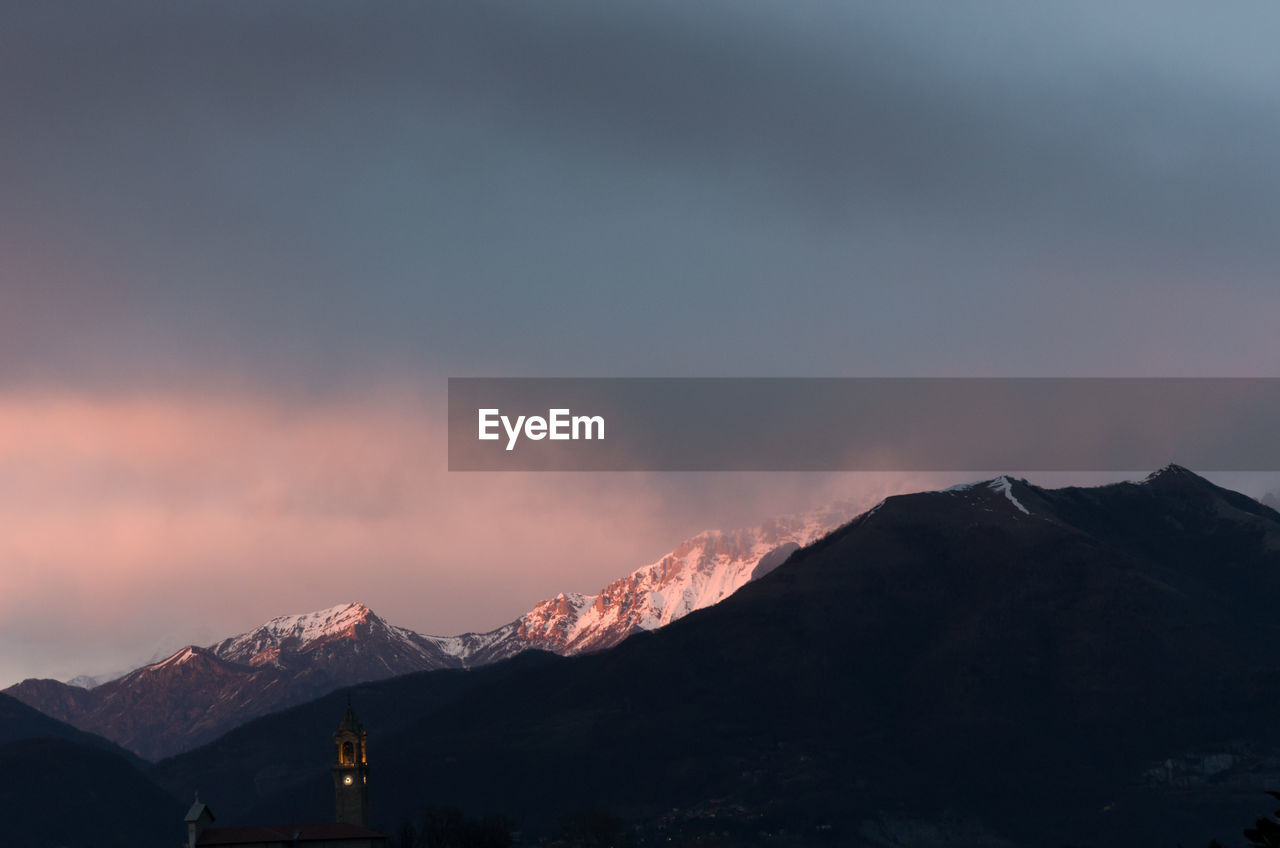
(351, 770)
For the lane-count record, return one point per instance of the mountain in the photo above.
(346, 641)
(59, 793)
(19, 722)
(54, 769)
(198, 693)
(698, 573)
(998, 664)
(167, 647)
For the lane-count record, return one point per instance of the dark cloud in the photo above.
(260, 200)
(319, 191)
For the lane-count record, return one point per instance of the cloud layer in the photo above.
(242, 244)
(314, 193)
(129, 520)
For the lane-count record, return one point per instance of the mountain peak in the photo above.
(179, 657)
(309, 625)
(287, 634)
(1175, 475)
(191, 660)
(699, 572)
(1003, 485)
(1170, 470)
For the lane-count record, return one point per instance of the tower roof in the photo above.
(198, 809)
(349, 722)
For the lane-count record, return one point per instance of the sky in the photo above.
(244, 244)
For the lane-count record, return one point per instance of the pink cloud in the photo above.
(195, 515)
(124, 517)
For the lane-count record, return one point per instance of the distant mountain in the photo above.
(19, 722)
(1271, 499)
(167, 648)
(199, 693)
(196, 694)
(325, 640)
(998, 664)
(700, 572)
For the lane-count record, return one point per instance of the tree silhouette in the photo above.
(407, 835)
(1266, 832)
(594, 829)
(447, 827)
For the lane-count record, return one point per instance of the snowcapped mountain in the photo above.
(699, 572)
(197, 693)
(982, 492)
(291, 640)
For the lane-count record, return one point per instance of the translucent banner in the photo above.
(863, 424)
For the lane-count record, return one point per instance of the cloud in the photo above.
(187, 514)
(135, 519)
(228, 227)
(577, 188)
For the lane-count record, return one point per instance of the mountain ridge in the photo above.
(197, 693)
(1055, 676)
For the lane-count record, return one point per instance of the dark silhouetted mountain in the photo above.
(63, 787)
(19, 722)
(994, 664)
(59, 793)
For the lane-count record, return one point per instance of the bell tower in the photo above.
(351, 770)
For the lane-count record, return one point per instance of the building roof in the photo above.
(197, 809)
(349, 722)
(288, 833)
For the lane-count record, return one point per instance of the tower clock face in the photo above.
(346, 779)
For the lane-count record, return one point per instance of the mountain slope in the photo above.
(196, 694)
(60, 793)
(52, 767)
(998, 664)
(320, 639)
(19, 722)
(698, 573)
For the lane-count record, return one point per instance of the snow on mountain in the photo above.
(1002, 485)
(698, 573)
(296, 632)
(195, 694)
(301, 634)
(192, 695)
